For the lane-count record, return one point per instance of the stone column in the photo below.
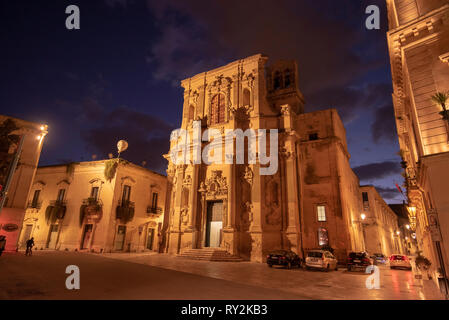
(202, 232)
(291, 175)
(231, 199)
(193, 193)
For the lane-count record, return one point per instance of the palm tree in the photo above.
(441, 99)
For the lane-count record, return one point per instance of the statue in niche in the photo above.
(273, 216)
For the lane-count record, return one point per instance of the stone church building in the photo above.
(311, 201)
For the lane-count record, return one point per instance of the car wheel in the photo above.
(307, 268)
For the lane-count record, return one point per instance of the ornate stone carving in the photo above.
(272, 202)
(216, 186)
(185, 215)
(247, 208)
(248, 175)
(286, 109)
(187, 181)
(194, 97)
(250, 80)
(285, 153)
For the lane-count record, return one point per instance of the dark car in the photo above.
(358, 260)
(285, 258)
(379, 258)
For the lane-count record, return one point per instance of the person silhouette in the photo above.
(30, 244)
(2, 244)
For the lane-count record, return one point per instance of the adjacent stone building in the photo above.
(13, 211)
(418, 41)
(380, 224)
(311, 200)
(77, 206)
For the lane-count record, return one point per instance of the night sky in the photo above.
(118, 76)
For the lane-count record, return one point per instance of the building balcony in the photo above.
(151, 211)
(92, 202)
(34, 205)
(91, 210)
(55, 211)
(125, 211)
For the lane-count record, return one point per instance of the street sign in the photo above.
(434, 225)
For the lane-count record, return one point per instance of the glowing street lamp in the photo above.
(407, 226)
(363, 216)
(412, 217)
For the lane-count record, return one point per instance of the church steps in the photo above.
(209, 254)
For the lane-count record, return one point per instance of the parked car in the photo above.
(379, 258)
(321, 259)
(400, 261)
(359, 260)
(285, 258)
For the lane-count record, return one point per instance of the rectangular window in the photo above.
(35, 201)
(126, 193)
(365, 196)
(154, 200)
(321, 210)
(94, 193)
(61, 194)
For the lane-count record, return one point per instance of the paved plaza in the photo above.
(161, 276)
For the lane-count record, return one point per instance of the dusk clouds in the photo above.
(118, 76)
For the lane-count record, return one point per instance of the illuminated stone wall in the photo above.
(13, 212)
(78, 179)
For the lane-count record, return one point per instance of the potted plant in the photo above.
(441, 99)
(422, 262)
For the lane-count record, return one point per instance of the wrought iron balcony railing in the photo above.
(92, 202)
(154, 210)
(58, 203)
(34, 204)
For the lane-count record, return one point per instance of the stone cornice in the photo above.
(418, 23)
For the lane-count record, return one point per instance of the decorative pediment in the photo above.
(96, 181)
(64, 181)
(129, 179)
(39, 183)
(215, 187)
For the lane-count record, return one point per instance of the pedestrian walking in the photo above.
(2, 244)
(30, 245)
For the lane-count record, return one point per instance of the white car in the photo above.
(321, 259)
(400, 261)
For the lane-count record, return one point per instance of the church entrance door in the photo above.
(214, 224)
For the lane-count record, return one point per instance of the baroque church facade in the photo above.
(311, 201)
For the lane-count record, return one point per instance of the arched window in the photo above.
(218, 109)
(246, 97)
(277, 81)
(191, 113)
(287, 78)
